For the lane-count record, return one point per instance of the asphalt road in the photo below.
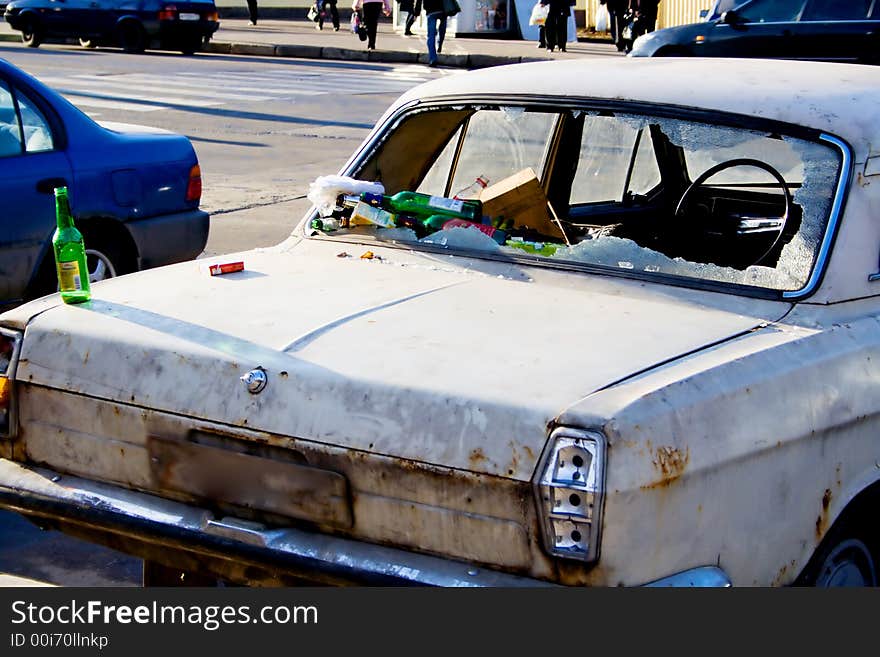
(263, 129)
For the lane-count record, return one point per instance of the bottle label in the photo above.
(445, 203)
(69, 276)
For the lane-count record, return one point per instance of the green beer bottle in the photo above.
(70, 253)
(424, 205)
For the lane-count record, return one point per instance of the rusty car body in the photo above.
(669, 379)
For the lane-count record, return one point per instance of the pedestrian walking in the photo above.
(412, 8)
(334, 14)
(371, 10)
(556, 26)
(252, 11)
(435, 16)
(616, 12)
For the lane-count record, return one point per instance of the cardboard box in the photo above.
(520, 198)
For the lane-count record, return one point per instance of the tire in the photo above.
(131, 36)
(31, 32)
(847, 563)
(848, 556)
(88, 43)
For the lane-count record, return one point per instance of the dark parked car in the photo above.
(134, 191)
(830, 30)
(133, 25)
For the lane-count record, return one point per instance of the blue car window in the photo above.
(835, 10)
(10, 133)
(37, 134)
(771, 11)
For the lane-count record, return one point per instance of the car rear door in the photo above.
(32, 163)
(838, 31)
(761, 28)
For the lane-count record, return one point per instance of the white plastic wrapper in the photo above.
(324, 191)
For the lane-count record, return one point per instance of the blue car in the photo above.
(133, 25)
(134, 191)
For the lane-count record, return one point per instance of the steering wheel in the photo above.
(744, 227)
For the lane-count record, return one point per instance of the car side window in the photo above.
(10, 131)
(771, 11)
(835, 10)
(37, 133)
(497, 143)
(608, 148)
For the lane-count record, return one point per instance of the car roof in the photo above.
(838, 99)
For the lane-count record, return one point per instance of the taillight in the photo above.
(9, 346)
(168, 13)
(194, 186)
(212, 16)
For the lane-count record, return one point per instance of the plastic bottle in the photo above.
(473, 190)
(70, 253)
(425, 205)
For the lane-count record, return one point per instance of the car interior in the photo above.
(681, 190)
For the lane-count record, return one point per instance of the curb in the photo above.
(469, 61)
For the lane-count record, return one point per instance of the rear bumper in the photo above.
(170, 525)
(102, 509)
(170, 238)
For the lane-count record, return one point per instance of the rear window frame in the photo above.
(668, 111)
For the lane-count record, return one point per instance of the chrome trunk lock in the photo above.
(255, 380)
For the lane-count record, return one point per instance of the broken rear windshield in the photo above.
(631, 193)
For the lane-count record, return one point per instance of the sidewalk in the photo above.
(298, 38)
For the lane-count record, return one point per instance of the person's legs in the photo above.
(321, 5)
(432, 37)
(561, 32)
(542, 40)
(410, 19)
(442, 33)
(550, 31)
(371, 19)
(334, 15)
(252, 11)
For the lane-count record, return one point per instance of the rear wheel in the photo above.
(847, 563)
(131, 36)
(31, 32)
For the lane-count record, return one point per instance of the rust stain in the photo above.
(670, 462)
(86, 357)
(477, 457)
(822, 518)
(529, 452)
(781, 577)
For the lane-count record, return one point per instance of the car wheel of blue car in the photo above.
(31, 32)
(100, 265)
(131, 36)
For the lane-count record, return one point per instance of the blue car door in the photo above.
(32, 163)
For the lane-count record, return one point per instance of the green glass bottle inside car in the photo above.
(70, 253)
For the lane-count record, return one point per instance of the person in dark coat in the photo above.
(556, 25)
(413, 9)
(334, 14)
(616, 11)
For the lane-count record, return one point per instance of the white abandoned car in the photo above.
(649, 354)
